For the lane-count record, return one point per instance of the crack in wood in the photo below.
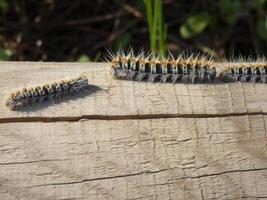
(33, 161)
(123, 117)
(147, 172)
(103, 178)
(225, 172)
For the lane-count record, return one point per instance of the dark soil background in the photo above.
(82, 30)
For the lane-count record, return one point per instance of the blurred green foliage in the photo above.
(229, 10)
(86, 58)
(81, 31)
(5, 54)
(83, 58)
(195, 24)
(259, 4)
(262, 28)
(3, 6)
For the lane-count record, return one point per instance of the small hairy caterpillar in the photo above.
(149, 67)
(56, 90)
(245, 72)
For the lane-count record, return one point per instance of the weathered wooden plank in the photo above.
(178, 158)
(126, 98)
(146, 140)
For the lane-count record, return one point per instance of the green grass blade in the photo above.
(156, 27)
(149, 14)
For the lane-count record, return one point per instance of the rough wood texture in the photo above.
(129, 140)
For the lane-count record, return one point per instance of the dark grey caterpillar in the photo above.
(193, 69)
(245, 72)
(54, 91)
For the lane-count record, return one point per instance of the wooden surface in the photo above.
(131, 140)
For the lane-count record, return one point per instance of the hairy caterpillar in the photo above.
(56, 90)
(149, 67)
(190, 69)
(245, 72)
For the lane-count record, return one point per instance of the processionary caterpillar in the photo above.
(54, 91)
(245, 72)
(183, 69)
(149, 67)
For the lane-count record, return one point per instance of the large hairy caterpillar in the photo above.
(54, 91)
(149, 67)
(245, 72)
(184, 69)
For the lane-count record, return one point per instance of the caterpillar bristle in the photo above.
(56, 90)
(151, 68)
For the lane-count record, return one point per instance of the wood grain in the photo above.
(130, 140)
